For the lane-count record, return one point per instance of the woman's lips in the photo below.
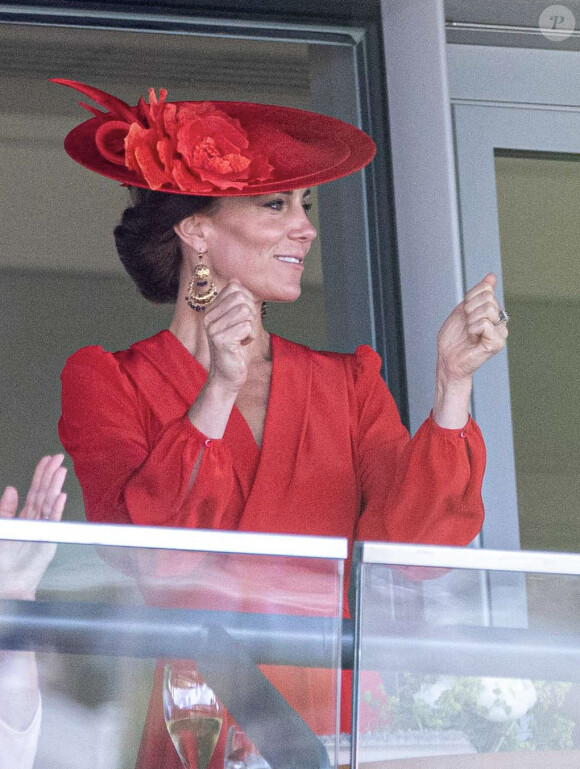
(297, 261)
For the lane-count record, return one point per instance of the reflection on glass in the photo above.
(241, 753)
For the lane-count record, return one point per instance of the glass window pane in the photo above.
(62, 285)
(539, 236)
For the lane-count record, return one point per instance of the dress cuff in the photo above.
(194, 432)
(452, 432)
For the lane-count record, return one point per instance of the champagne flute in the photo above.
(193, 714)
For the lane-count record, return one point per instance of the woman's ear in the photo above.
(191, 232)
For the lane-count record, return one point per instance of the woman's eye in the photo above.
(279, 204)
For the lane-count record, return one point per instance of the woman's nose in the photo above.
(303, 229)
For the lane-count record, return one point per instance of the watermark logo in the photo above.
(557, 22)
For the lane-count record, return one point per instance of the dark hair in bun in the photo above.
(147, 244)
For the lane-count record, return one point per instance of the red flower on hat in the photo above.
(213, 148)
(194, 146)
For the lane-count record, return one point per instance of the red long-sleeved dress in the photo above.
(335, 458)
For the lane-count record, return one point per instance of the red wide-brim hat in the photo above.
(214, 148)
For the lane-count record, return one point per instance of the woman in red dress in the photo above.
(214, 422)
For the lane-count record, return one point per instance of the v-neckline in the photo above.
(264, 474)
(237, 415)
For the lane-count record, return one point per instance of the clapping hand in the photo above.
(474, 332)
(231, 324)
(22, 564)
(44, 499)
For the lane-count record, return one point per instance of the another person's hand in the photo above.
(22, 564)
(471, 334)
(231, 323)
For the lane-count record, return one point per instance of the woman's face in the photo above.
(261, 241)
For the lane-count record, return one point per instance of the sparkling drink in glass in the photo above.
(193, 714)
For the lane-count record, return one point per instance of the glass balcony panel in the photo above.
(103, 648)
(441, 685)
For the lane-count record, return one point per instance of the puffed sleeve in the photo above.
(426, 489)
(124, 476)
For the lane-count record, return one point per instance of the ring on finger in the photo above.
(503, 318)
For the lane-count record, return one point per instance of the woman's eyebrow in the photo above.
(305, 194)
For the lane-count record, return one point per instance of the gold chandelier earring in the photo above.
(201, 291)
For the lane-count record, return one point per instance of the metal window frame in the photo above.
(425, 195)
(178, 23)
